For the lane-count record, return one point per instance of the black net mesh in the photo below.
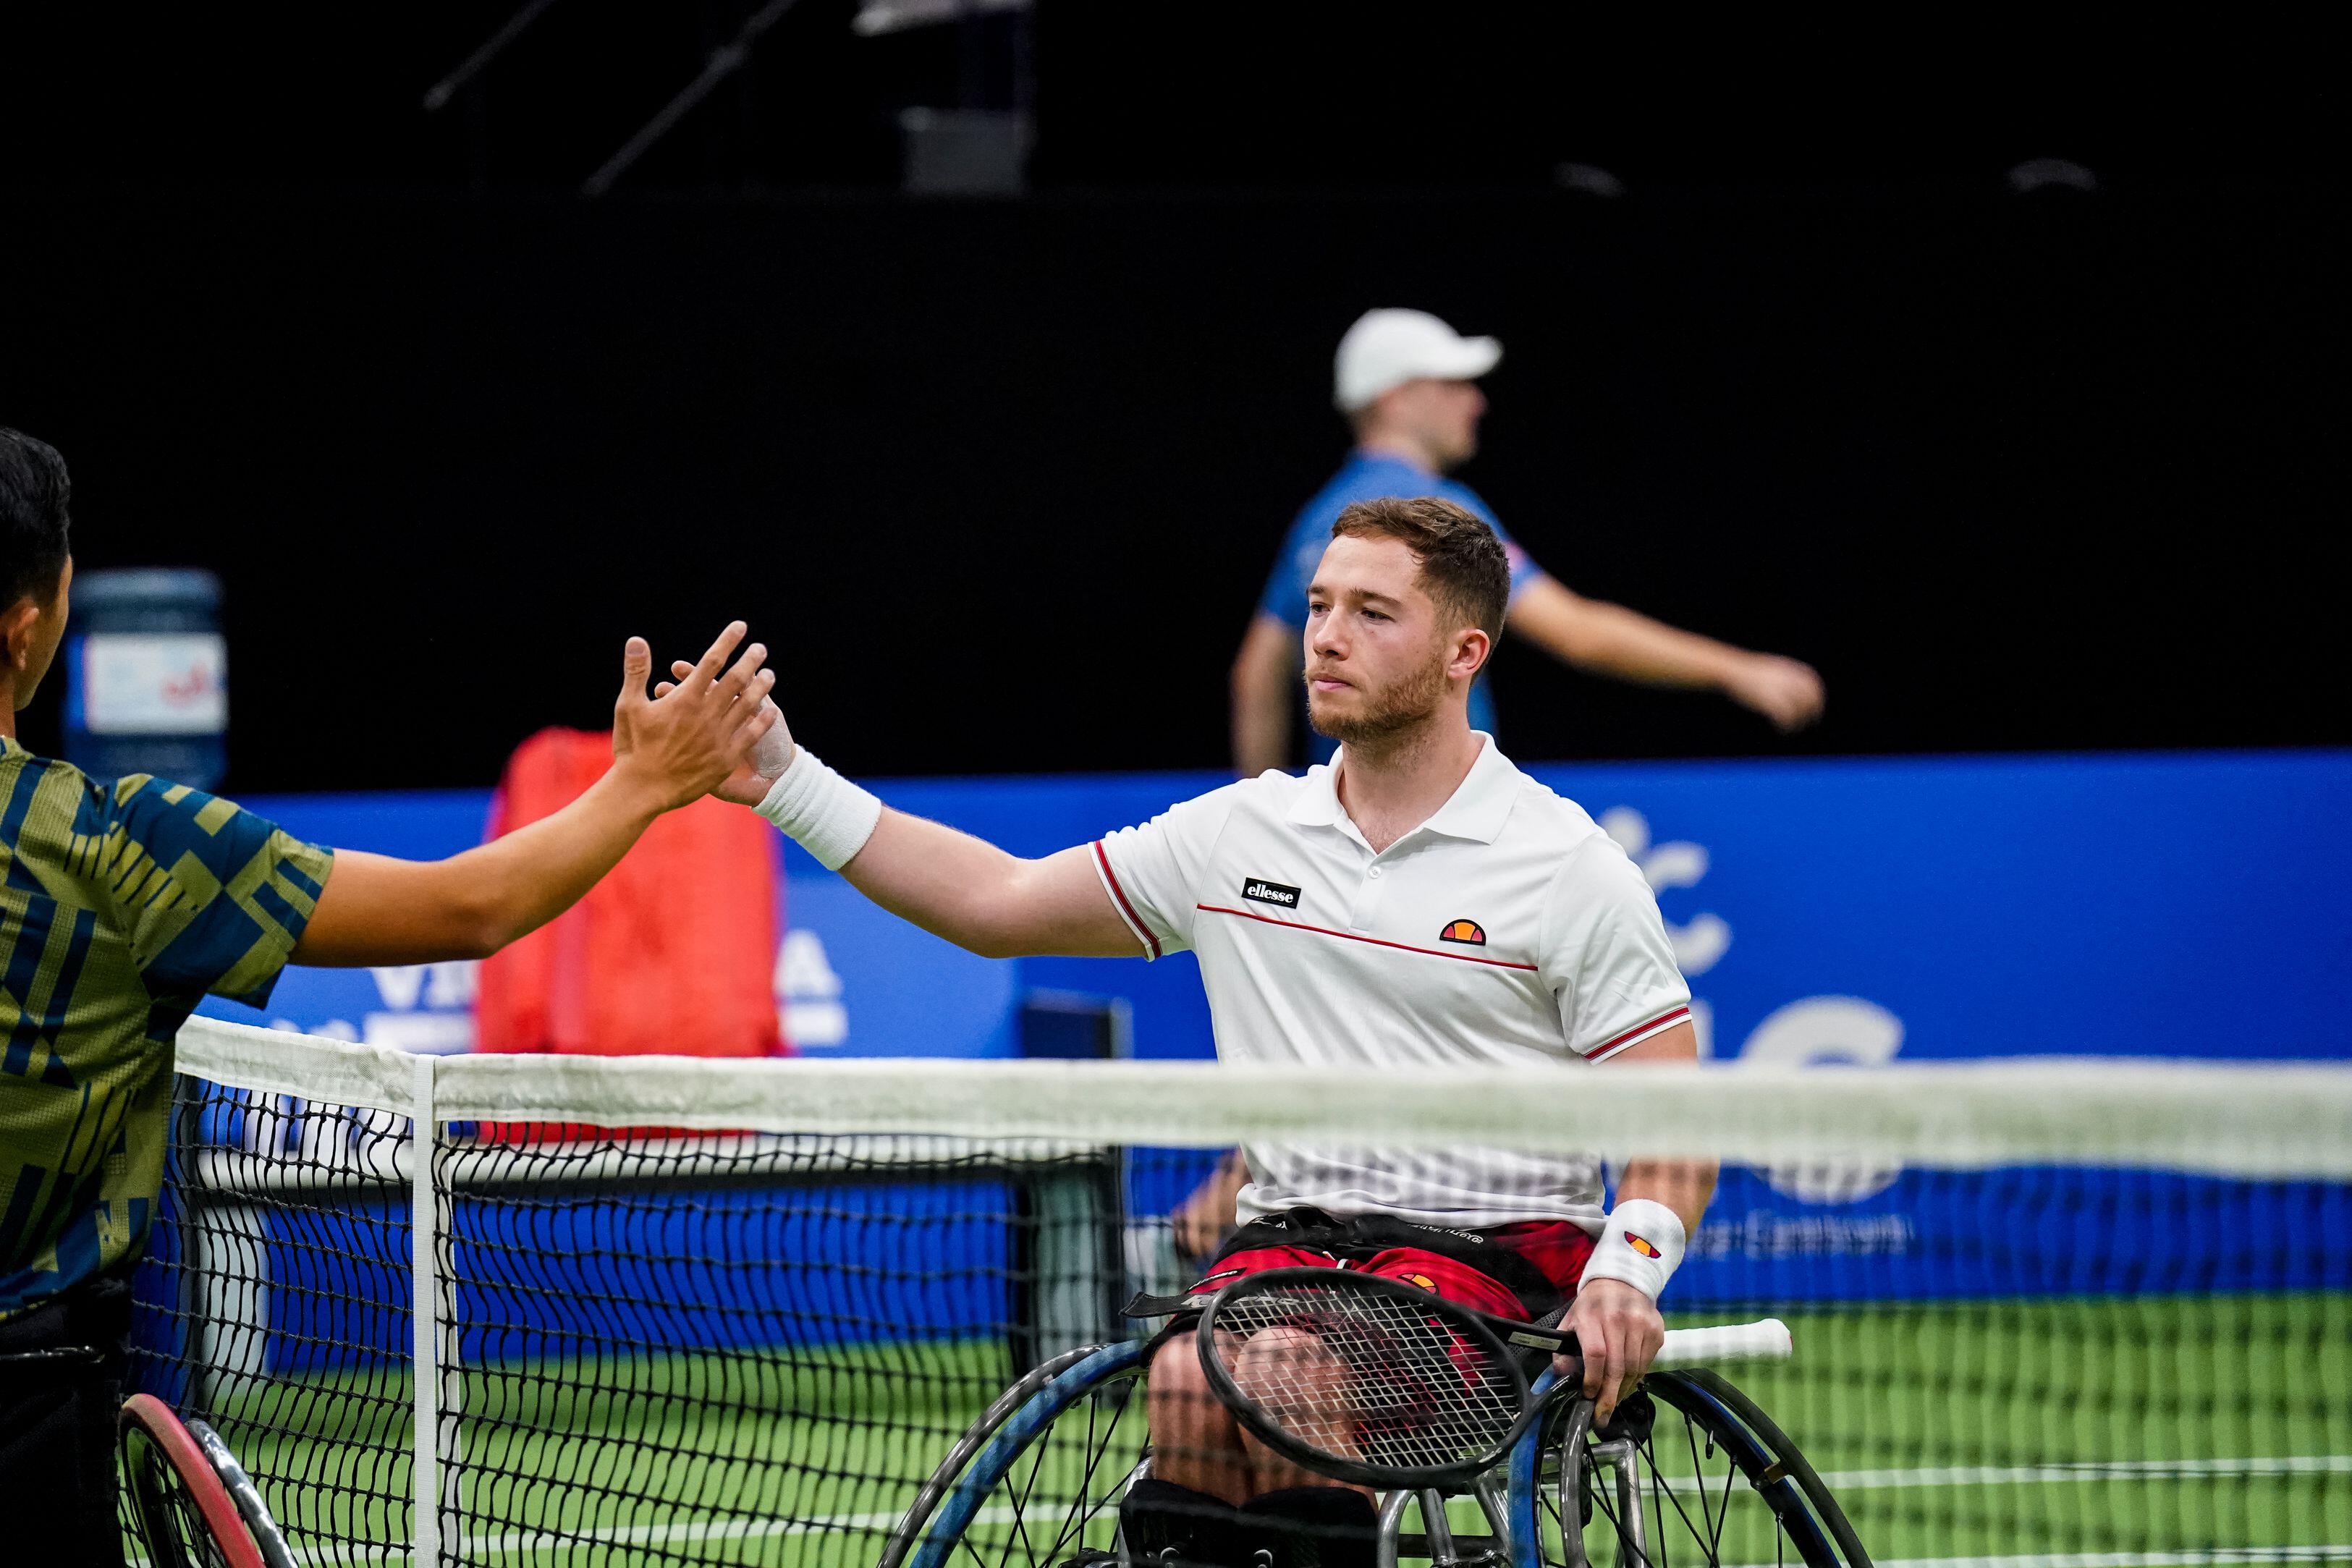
(666, 1347)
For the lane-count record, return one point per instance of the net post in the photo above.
(425, 1297)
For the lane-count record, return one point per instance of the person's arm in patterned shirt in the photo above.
(668, 751)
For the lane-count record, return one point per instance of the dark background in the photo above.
(999, 478)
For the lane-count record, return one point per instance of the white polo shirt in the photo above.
(1507, 931)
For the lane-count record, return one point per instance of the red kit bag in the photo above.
(674, 952)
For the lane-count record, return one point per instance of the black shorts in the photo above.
(57, 1424)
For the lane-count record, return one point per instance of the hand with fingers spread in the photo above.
(1618, 1330)
(668, 750)
(697, 731)
(748, 783)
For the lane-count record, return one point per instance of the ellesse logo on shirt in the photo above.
(1277, 893)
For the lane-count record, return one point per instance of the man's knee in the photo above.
(1182, 1405)
(1177, 1364)
(1289, 1359)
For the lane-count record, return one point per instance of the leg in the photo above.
(1217, 1496)
(1195, 1442)
(1300, 1518)
(1289, 1369)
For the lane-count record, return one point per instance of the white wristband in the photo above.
(1641, 1242)
(824, 812)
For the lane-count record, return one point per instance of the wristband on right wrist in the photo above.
(822, 811)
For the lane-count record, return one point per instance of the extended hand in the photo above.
(1785, 691)
(749, 784)
(697, 731)
(1618, 1330)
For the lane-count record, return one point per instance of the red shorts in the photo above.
(1558, 1250)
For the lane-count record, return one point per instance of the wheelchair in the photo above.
(1688, 1471)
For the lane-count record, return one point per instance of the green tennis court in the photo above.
(2092, 1433)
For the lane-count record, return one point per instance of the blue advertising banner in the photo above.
(1849, 910)
(2178, 905)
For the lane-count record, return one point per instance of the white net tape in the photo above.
(2257, 1120)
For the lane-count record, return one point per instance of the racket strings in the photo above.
(1368, 1377)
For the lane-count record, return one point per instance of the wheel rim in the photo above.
(1059, 1495)
(165, 1517)
(1695, 1487)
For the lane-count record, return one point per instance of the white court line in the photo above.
(524, 1543)
(2089, 1470)
(528, 1542)
(2207, 1559)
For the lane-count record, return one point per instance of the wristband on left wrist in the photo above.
(1641, 1243)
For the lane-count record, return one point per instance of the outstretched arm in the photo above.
(951, 884)
(1264, 690)
(378, 910)
(984, 900)
(1610, 640)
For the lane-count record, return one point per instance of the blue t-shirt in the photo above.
(1369, 477)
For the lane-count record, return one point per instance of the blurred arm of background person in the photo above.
(1606, 639)
(1265, 691)
(1588, 634)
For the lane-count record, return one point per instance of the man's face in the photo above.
(1443, 416)
(1379, 652)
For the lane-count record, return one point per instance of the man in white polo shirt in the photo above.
(1418, 901)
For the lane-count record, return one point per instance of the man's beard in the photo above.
(1409, 702)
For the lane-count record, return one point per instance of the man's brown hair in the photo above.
(1462, 562)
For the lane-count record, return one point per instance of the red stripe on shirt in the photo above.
(1375, 941)
(1659, 1023)
(1127, 909)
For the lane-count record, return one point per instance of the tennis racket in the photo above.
(192, 1504)
(1374, 1381)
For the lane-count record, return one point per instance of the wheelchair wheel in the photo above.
(1689, 1472)
(1036, 1481)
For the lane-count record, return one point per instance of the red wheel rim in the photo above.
(145, 1413)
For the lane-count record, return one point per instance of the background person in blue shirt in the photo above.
(1408, 382)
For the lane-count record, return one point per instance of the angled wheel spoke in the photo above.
(1028, 1489)
(1094, 1461)
(1660, 1488)
(1699, 1476)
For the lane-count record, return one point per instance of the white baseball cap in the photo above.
(1387, 349)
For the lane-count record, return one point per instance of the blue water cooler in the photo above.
(147, 676)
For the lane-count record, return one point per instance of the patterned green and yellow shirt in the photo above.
(123, 905)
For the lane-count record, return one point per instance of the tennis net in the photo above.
(682, 1313)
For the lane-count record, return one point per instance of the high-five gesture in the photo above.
(698, 730)
(771, 753)
(668, 751)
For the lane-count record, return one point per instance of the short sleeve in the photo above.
(1153, 871)
(1606, 954)
(211, 897)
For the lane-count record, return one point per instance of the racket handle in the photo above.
(1765, 1341)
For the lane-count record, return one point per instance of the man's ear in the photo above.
(1472, 648)
(16, 631)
